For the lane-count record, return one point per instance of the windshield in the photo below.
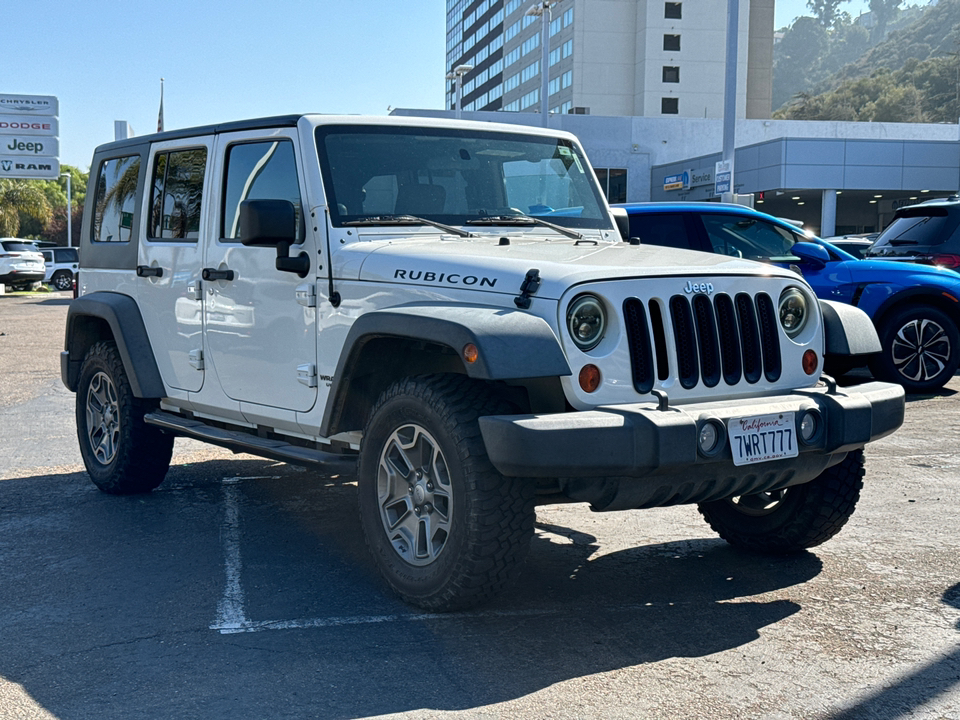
(454, 176)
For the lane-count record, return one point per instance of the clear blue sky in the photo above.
(225, 61)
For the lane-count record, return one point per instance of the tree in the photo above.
(21, 197)
(883, 11)
(825, 11)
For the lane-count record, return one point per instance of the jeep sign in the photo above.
(29, 131)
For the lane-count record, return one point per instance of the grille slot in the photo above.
(707, 342)
(749, 338)
(659, 340)
(767, 317)
(688, 367)
(729, 339)
(638, 335)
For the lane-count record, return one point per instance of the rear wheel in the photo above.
(794, 518)
(446, 530)
(122, 454)
(921, 349)
(62, 280)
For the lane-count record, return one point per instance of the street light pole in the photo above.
(457, 75)
(69, 212)
(542, 10)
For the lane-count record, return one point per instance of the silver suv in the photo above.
(21, 264)
(447, 309)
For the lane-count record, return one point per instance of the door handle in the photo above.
(147, 271)
(211, 274)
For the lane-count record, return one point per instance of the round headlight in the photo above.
(793, 311)
(586, 321)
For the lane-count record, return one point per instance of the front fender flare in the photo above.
(512, 344)
(847, 330)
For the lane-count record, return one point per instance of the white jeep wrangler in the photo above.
(449, 309)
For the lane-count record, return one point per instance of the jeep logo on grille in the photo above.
(692, 287)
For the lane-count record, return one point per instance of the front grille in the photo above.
(715, 339)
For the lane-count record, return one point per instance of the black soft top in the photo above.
(255, 124)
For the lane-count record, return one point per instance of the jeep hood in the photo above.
(483, 264)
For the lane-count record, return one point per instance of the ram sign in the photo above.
(29, 132)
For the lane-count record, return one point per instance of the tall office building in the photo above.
(609, 57)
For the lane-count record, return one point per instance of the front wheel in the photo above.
(921, 349)
(794, 518)
(122, 454)
(446, 530)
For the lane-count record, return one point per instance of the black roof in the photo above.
(254, 124)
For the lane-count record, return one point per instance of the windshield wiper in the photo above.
(523, 220)
(408, 220)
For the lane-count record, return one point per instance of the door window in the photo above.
(177, 194)
(116, 197)
(667, 229)
(750, 238)
(259, 171)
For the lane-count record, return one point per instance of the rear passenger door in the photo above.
(261, 323)
(170, 254)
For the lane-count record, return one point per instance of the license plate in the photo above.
(760, 438)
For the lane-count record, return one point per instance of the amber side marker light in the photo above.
(589, 378)
(470, 353)
(810, 362)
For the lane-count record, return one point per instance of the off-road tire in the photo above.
(490, 517)
(122, 454)
(805, 515)
(900, 331)
(62, 280)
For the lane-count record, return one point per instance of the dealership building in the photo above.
(834, 177)
(642, 86)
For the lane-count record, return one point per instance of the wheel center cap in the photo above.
(419, 495)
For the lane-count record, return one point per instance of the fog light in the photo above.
(710, 438)
(809, 426)
(810, 362)
(589, 378)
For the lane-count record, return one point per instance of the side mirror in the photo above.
(273, 223)
(811, 253)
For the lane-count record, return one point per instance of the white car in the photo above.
(61, 266)
(447, 309)
(21, 264)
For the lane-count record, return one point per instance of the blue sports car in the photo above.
(915, 308)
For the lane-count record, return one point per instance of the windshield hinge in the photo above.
(529, 286)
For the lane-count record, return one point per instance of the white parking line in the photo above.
(232, 617)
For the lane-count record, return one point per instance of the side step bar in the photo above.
(326, 462)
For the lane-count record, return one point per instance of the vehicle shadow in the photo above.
(926, 683)
(116, 596)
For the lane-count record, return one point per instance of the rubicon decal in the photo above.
(444, 278)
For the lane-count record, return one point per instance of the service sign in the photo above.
(17, 166)
(29, 105)
(28, 125)
(29, 145)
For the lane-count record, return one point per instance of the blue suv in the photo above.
(915, 308)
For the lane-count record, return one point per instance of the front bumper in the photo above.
(628, 456)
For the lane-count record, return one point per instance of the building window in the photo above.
(671, 10)
(671, 74)
(669, 106)
(613, 181)
(566, 80)
(671, 43)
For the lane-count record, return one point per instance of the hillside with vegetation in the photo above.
(893, 65)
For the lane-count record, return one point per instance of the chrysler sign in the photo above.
(29, 132)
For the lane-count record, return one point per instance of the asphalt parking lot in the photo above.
(241, 589)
